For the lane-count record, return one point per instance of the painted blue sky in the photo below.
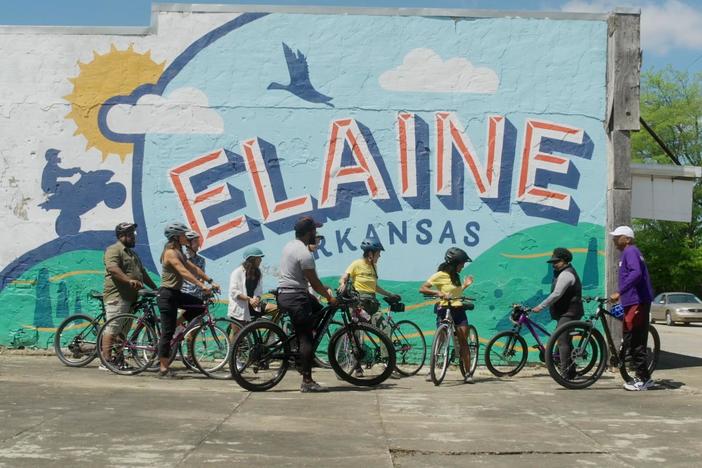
(671, 29)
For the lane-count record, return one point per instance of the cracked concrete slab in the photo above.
(58, 416)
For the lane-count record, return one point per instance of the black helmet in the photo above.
(371, 244)
(560, 253)
(122, 228)
(175, 229)
(454, 255)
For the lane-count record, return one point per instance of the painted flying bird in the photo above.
(300, 84)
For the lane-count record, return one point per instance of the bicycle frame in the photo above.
(532, 326)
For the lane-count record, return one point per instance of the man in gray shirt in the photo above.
(297, 274)
(565, 302)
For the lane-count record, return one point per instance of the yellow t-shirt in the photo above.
(363, 276)
(441, 281)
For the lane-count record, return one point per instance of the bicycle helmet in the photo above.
(122, 228)
(454, 255)
(175, 229)
(617, 311)
(192, 235)
(371, 244)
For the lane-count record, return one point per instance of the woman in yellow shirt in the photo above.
(363, 275)
(446, 284)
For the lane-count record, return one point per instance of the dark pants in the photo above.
(635, 338)
(169, 301)
(303, 309)
(565, 347)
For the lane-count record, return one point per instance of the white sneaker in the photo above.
(635, 386)
(468, 379)
(102, 367)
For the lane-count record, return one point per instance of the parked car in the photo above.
(675, 307)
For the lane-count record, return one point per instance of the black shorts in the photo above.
(458, 313)
(302, 307)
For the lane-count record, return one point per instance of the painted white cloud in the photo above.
(424, 70)
(185, 110)
(664, 26)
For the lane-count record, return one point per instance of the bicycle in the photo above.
(262, 352)
(207, 343)
(75, 341)
(443, 350)
(407, 339)
(589, 350)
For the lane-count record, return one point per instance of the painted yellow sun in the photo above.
(116, 73)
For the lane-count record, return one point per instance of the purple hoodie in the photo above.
(634, 283)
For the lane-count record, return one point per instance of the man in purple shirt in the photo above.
(635, 295)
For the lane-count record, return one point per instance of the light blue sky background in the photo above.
(671, 29)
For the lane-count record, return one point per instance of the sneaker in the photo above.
(102, 367)
(635, 386)
(167, 374)
(311, 387)
(358, 372)
(468, 379)
(648, 384)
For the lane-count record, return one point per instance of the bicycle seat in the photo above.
(95, 294)
(147, 293)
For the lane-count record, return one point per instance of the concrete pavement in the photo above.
(57, 416)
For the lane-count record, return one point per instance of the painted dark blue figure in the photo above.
(62, 301)
(77, 198)
(300, 84)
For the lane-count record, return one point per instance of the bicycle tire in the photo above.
(594, 343)
(142, 348)
(74, 350)
(410, 345)
(513, 350)
(216, 348)
(253, 350)
(321, 358)
(440, 354)
(369, 356)
(652, 355)
(474, 347)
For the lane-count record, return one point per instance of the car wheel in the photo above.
(669, 319)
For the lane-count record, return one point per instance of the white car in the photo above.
(675, 307)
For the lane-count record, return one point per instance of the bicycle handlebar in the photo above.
(461, 298)
(599, 300)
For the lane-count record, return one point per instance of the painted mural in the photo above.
(484, 133)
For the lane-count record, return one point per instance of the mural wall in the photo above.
(427, 132)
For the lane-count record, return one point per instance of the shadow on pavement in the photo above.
(668, 360)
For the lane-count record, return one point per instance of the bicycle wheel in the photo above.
(260, 356)
(130, 354)
(506, 354)
(474, 347)
(75, 342)
(653, 349)
(587, 357)
(410, 347)
(440, 354)
(209, 349)
(321, 358)
(361, 354)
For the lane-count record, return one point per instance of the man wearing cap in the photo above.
(124, 277)
(297, 274)
(565, 302)
(635, 295)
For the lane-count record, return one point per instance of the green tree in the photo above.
(671, 103)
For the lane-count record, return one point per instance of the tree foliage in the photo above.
(671, 103)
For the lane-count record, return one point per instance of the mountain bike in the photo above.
(590, 350)
(445, 347)
(203, 344)
(75, 341)
(262, 352)
(407, 339)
